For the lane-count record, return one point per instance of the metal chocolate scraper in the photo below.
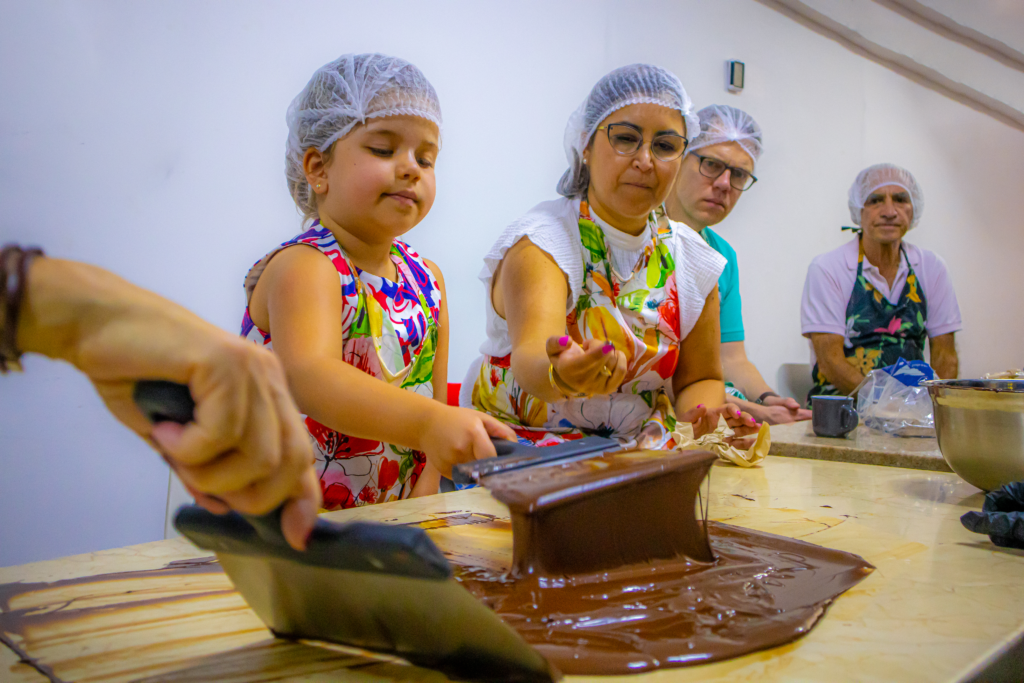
(367, 585)
(514, 456)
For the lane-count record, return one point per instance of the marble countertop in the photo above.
(941, 603)
(862, 445)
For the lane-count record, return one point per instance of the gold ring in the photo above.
(605, 371)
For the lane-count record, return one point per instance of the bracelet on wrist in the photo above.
(14, 264)
(768, 394)
(557, 385)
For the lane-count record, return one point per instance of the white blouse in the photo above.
(553, 226)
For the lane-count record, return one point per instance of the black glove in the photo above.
(1001, 516)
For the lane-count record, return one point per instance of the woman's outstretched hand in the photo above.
(246, 448)
(705, 420)
(595, 368)
(461, 435)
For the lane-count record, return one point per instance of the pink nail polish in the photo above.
(700, 405)
(608, 348)
(564, 341)
(739, 413)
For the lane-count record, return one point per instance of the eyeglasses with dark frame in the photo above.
(626, 139)
(740, 178)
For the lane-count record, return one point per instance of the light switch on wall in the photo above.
(735, 72)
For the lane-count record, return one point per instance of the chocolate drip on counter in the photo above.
(199, 565)
(19, 622)
(613, 574)
(23, 658)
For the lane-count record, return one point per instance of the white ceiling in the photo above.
(1002, 20)
(972, 52)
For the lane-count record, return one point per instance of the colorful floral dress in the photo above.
(639, 314)
(390, 332)
(879, 333)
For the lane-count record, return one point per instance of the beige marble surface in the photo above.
(862, 445)
(13, 670)
(941, 601)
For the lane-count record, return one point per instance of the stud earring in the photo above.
(318, 186)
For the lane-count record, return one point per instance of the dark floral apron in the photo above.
(879, 333)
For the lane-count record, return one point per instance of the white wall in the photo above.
(148, 138)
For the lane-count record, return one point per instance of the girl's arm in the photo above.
(530, 291)
(299, 298)
(430, 478)
(698, 379)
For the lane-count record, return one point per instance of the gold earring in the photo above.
(318, 186)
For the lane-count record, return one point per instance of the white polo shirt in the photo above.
(831, 277)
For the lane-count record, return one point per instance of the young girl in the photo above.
(357, 317)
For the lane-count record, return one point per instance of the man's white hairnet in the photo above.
(344, 93)
(721, 123)
(880, 175)
(634, 84)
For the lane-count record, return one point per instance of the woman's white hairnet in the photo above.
(880, 175)
(344, 93)
(721, 123)
(634, 84)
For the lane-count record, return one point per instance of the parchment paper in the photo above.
(715, 442)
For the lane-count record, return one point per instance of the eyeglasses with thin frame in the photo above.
(626, 139)
(739, 178)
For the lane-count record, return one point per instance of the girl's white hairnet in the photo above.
(880, 175)
(634, 84)
(344, 93)
(722, 123)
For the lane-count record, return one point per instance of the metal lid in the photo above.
(998, 385)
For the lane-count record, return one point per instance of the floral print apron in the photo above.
(639, 314)
(879, 333)
(390, 332)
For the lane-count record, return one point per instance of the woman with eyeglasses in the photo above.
(599, 322)
(717, 168)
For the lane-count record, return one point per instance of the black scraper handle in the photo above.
(513, 455)
(163, 401)
(357, 546)
(393, 549)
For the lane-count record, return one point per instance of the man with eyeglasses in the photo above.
(717, 169)
(877, 298)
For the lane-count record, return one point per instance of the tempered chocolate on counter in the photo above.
(761, 591)
(612, 573)
(604, 512)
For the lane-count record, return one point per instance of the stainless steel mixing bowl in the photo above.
(980, 427)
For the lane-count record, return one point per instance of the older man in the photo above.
(718, 167)
(877, 298)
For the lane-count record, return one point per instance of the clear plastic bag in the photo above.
(890, 400)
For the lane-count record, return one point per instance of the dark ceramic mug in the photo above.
(833, 416)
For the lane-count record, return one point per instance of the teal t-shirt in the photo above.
(730, 308)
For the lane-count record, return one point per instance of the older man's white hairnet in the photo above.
(721, 123)
(634, 84)
(344, 93)
(880, 175)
